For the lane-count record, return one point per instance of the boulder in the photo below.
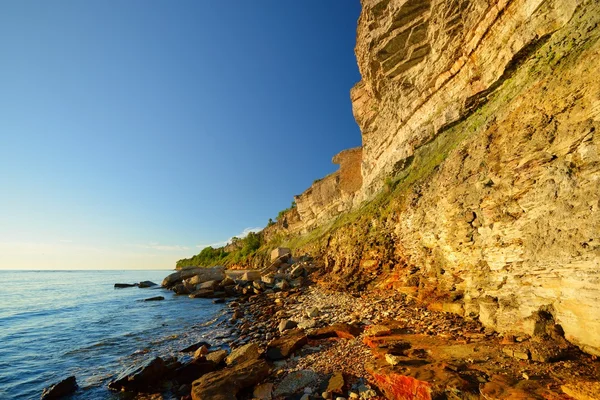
(251, 276)
(193, 370)
(202, 294)
(155, 298)
(282, 285)
(208, 274)
(227, 282)
(217, 356)
(62, 388)
(244, 353)
(208, 285)
(125, 285)
(226, 383)
(181, 289)
(141, 378)
(146, 284)
(286, 345)
(201, 352)
(286, 324)
(197, 275)
(280, 253)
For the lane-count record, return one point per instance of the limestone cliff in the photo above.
(477, 187)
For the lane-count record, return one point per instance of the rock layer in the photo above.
(481, 159)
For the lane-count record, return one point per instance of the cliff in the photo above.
(477, 185)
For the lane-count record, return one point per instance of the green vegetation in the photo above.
(244, 249)
(283, 212)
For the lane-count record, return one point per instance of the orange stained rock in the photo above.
(401, 387)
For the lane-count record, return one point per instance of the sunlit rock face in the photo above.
(483, 117)
(427, 64)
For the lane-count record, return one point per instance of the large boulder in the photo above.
(202, 274)
(280, 253)
(142, 378)
(61, 389)
(252, 275)
(247, 352)
(226, 383)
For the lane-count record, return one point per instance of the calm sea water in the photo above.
(54, 324)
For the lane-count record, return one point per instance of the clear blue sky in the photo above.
(134, 133)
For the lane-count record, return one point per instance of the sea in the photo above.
(54, 324)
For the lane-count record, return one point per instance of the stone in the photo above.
(297, 271)
(202, 294)
(244, 353)
(146, 284)
(156, 298)
(60, 389)
(286, 324)
(195, 275)
(336, 383)
(295, 382)
(307, 323)
(282, 285)
(279, 253)
(217, 356)
(312, 312)
(378, 330)
(251, 276)
(344, 331)
(263, 391)
(268, 279)
(201, 352)
(286, 345)
(393, 359)
(135, 379)
(213, 284)
(125, 285)
(582, 390)
(181, 289)
(226, 383)
(227, 282)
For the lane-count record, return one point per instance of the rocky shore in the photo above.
(292, 337)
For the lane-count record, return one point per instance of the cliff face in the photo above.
(480, 123)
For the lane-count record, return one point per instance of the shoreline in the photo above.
(303, 340)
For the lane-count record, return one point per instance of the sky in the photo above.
(135, 133)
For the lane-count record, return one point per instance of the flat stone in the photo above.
(146, 284)
(286, 345)
(217, 356)
(244, 353)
